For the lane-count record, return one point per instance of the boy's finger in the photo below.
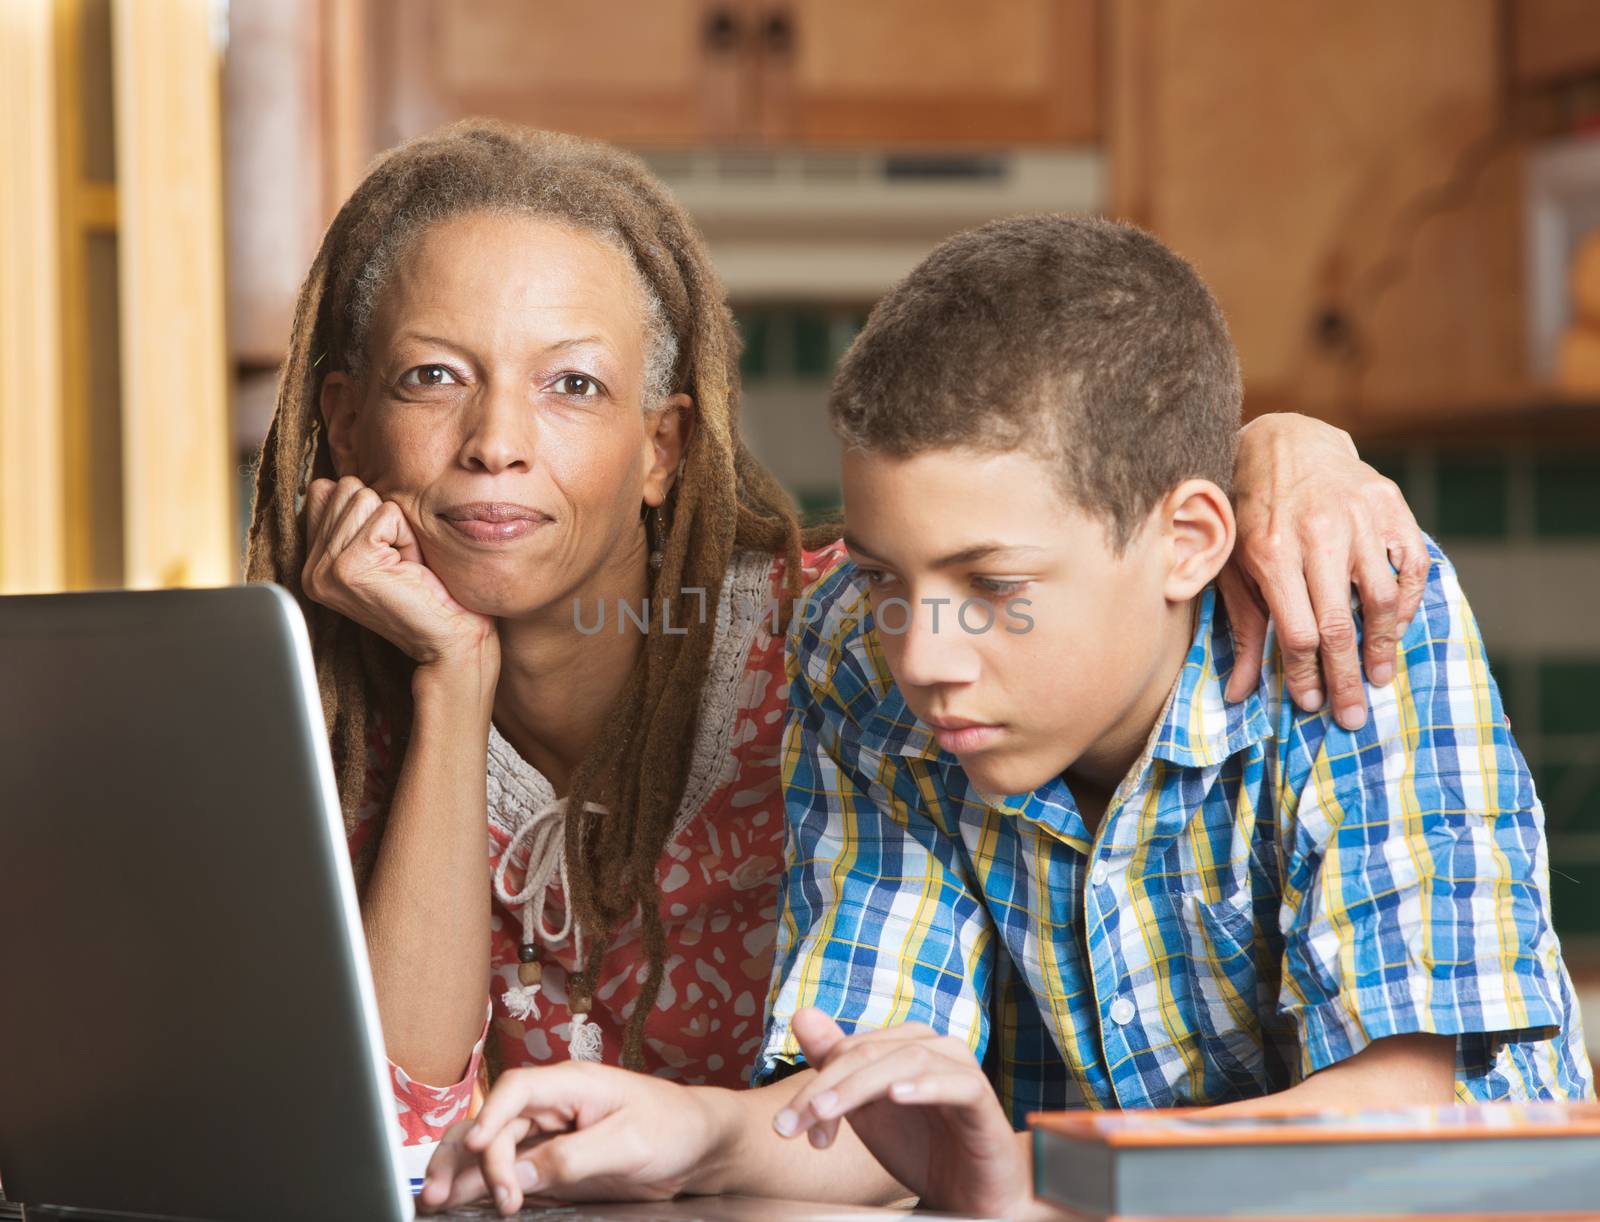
(940, 1090)
(817, 1034)
(871, 1082)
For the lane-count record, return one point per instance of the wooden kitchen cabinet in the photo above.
(1554, 40)
(925, 71)
(750, 72)
(1344, 179)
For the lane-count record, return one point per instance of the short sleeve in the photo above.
(1416, 893)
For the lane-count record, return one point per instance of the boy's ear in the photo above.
(339, 400)
(1200, 536)
(667, 430)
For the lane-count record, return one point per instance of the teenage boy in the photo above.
(1052, 841)
(1036, 859)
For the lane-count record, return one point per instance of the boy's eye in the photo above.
(429, 375)
(873, 577)
(999, 585)
(578, 385)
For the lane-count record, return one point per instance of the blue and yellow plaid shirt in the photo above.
(1266, 894)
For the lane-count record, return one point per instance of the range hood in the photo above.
(796, 225)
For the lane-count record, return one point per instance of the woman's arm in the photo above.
(426, 907)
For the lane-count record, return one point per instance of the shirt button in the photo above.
(1099, 874)
(1121, 1011)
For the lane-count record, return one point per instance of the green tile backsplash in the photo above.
(1567, 494)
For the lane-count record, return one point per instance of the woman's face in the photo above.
(500, 409)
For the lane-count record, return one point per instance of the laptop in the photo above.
(187, 1022)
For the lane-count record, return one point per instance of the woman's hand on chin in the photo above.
(363, 561)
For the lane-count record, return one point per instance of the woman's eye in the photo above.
(874, 577)
(428, 375)
(577, 385)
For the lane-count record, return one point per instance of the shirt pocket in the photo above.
(1220, 942)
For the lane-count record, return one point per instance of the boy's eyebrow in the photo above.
(967, 555)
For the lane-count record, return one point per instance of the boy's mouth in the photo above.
(959, 736)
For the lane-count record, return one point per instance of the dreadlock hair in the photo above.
(724, 501)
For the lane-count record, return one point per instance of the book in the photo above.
(1489, 1160)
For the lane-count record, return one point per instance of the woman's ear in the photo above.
(340, 401)
(1200, 536)
(667, 430)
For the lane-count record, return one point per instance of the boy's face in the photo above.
(1073, 677)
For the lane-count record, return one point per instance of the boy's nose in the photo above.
(933, 650)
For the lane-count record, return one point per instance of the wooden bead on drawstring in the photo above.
(530, 973)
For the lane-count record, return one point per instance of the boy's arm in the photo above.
(877, 922)
(1398, 1071)
(1415, 875)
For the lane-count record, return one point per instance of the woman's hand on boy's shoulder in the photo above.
(1314, 520)
(920, 1102)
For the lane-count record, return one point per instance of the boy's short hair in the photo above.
(1084, 341)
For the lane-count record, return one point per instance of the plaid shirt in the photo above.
(1266, 894)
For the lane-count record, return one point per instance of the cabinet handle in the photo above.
(778, 31)
(722, 31)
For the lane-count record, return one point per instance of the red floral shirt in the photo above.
(718, 878)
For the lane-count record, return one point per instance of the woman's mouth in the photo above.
(493, 521)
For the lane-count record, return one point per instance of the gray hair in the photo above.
(660, 341)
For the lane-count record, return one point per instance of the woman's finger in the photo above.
(1378, 588)
(557, 1089)
(498, 1159)
(353, 521)
(1289, 603)
(1413, 564)
(1328, 579)
(388, 527)
(448, 1161)
(1247, 618)
(318, 493)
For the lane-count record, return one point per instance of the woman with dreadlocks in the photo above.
(546, 585)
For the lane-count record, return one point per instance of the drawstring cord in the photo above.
(545, 834)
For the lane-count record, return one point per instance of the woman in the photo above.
(509, 412)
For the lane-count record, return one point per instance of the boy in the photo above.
(1053, 840)
(1036, 860)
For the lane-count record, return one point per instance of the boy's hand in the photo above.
(1313, 521)
(921, 1104)
(575, 1132)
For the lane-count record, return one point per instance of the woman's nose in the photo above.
(500, 433)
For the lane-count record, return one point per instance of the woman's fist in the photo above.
(363, 561)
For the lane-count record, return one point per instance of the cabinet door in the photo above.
(659, 72)
(1341, 177)
(896, 72)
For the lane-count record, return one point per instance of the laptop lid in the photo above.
(187, 1020)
